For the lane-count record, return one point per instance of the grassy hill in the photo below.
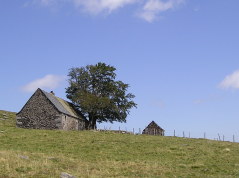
(41, 153)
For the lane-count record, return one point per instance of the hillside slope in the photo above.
(41, 153)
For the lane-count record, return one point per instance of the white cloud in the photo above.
(231, 81)
(42, 2)
(91, 6)
(152, 8)
(98, 6)
(149, 9)
(47, 82)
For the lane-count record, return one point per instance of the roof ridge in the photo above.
(60, 104)
(153, 122)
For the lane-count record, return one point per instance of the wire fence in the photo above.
(204, 135)
(175, 133)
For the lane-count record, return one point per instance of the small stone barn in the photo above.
(153, 129)
(46, 111)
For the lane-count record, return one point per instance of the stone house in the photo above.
(153, 129)
(46, 111)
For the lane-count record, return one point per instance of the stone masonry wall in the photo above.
(39, 113)
(153, 131)
(69, 123)
(82, 125)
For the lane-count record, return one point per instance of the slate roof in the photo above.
(62, 105)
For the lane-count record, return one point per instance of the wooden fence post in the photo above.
(174, 133)
(233, 138)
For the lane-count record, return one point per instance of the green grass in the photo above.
(48, 153)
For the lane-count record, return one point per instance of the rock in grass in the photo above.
(23, 157)
(66, 175)
(227, 150)
(53, 159)
(1, 119)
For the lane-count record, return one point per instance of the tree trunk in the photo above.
(92, 122)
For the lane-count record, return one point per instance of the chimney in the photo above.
(52, 93)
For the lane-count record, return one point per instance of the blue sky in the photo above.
(180, 57)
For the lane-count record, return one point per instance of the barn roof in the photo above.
(61, 105)
(154, 125)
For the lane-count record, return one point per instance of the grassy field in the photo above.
(41, 153)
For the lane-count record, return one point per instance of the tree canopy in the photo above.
(97, 94)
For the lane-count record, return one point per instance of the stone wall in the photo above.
(153, 131)
(82, 125)
(69, 123)
(40, 113)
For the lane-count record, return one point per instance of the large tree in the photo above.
(97, 94)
